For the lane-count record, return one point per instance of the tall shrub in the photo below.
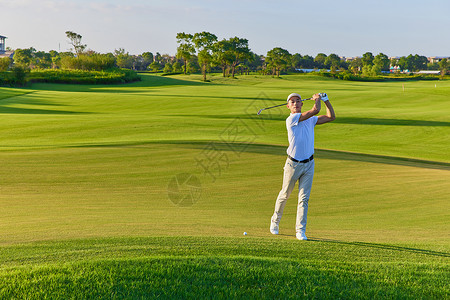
(5, 62)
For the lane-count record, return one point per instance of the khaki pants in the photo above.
(293, 172)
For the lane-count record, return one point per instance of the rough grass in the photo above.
(195, 267)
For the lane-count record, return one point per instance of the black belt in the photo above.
(302, 161)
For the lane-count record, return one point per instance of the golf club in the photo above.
(259, 112)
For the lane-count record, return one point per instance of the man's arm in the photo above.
(330, 116)
(313, 111)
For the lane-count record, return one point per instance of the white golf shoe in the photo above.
(301, 236)
(273, 228)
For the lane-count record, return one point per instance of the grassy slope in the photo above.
(243, 267)
(95, 162)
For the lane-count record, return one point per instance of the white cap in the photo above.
(293, 95)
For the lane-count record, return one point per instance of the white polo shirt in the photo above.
(300, 136)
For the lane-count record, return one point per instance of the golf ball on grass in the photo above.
(245, 233)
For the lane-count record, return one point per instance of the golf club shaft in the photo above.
(278, 105)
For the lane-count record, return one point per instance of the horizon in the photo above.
(395, 29)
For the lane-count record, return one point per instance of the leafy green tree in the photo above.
(332, 61)
(5, 62)
(146, 60)
(296, 60)
(394, 62)
(19, 74)
(239, 51)
(154, 66)
(53, 53)
(356, 65)
(55, 58)
(193, 66)
(250, 63)
(205, 58)
(382, 61)
(176, 67)
(75, 41)
(166, 58)
(123, 59)
(222, 56)
(24, 57)
(319, 60)
(168, 68)
(403, 63)
(412, 62)
(66, 60)
(344, 65)
(417, 62)
(278, 59)
(185, 48)
(158, 58)
(371, 70)
(256, 62)
(204, 42)
(367, 59)
(433, 66)
(243, 67)
(307, 62)
(443, 64)
(376, 70)
(42, 60)
(148, 56)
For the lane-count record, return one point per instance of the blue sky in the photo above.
(344, 27)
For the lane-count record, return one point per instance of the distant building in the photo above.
(3, 52)
(432, 72)
(350, 58)
(436, 59)
(395, 69)
(2, 44)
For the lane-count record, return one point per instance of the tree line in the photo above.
(230, 54)
(204, 52)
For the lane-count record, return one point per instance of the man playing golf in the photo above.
(300, 161)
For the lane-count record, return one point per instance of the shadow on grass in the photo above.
(6, 94)
(393, 122)
(281, 151)
(260, 97)
(383, 246)
(340, 120)
(30, 100)
(35, 111)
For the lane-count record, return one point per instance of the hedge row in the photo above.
(352, 77)
(84, 77)
(114, 76)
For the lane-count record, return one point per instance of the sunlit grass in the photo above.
(87, 213)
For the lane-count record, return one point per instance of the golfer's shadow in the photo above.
(381, 246)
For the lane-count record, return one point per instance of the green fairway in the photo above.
(89, 207)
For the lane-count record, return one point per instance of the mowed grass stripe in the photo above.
(160, 108)
(85, 174)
